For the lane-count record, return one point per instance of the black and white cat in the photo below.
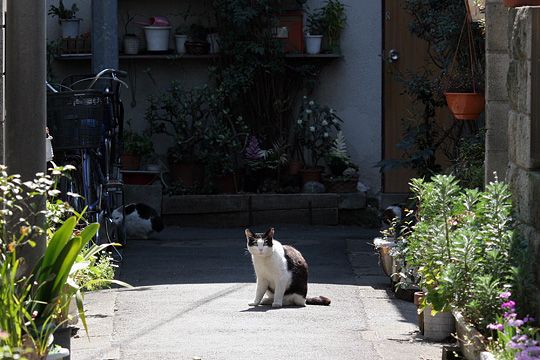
(141, 220)
(282, 272)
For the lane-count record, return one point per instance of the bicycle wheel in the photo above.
(112, 217)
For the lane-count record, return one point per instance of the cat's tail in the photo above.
(319, 300)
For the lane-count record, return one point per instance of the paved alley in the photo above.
(192, 287)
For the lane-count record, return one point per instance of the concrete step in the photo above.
(249, 209)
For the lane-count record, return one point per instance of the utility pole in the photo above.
(25, 96)
(104, 35)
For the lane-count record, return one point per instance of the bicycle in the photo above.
(87, 123)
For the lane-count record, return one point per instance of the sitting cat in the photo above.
(141, 220)
(282, 272)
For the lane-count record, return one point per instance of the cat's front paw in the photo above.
(277, 305)
(254, 303)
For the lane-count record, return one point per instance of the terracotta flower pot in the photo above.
(516, 3)
(130, 161)
(311, 174)
(188, 173)
(227, 184)
(294, 167)
(465, 106)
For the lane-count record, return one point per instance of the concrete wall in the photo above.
(352, 85)
(524, 126)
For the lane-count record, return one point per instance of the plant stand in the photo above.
(139, 177)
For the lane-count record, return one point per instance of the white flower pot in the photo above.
(70, 28)
(157, 38)
(439, 326)
(131, 45)
(213, 41)
(313, 44)
(180, 42)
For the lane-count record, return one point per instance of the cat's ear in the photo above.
(249, 233)
(269, 234)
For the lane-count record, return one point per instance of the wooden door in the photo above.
(397, 106)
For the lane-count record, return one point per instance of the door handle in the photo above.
(393, 56)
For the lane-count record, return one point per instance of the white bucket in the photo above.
(70, 28)
(157, 38)
(313, 44)
(180, 42)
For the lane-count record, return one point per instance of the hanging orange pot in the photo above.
(516, 3)
(465, 106)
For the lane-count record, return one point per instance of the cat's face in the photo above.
(260, 244)
(117, 216)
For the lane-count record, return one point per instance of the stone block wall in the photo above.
(497, 105)
(523, 86)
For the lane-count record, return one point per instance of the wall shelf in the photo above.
(171, 56)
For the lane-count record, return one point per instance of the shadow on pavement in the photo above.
(196, 256)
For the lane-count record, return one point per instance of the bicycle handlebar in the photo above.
(114, 73)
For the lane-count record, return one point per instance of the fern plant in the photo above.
(338, 159)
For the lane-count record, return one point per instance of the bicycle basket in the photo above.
(76, 119)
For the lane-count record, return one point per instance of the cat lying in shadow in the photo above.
(282, 272)
(141, 221)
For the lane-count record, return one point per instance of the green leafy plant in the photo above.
(223, 143)
(335, 19)
(183, 115)
(461, 246)
(329, 21)
(315, 130)
(137, 144)
(63, 13)
(316, 22)
(338, 159)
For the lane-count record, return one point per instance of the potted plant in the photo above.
(130, 41)
(263, 164)
(315, 30)
(67, 18)
(197, 43)
(180, 38)
(344, 173)
(314, 133)
(328, 22)
(157, 34)
(464, 94)
(335, 19)
(182, 115)
(135, 146)
(222, 145)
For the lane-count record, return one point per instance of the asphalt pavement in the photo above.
(191, 292)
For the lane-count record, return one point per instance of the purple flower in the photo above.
(520, 338)
(516, 323)
(505, 295)
(515, 345)
(499, 327)
(529, 354)
(509, 305)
